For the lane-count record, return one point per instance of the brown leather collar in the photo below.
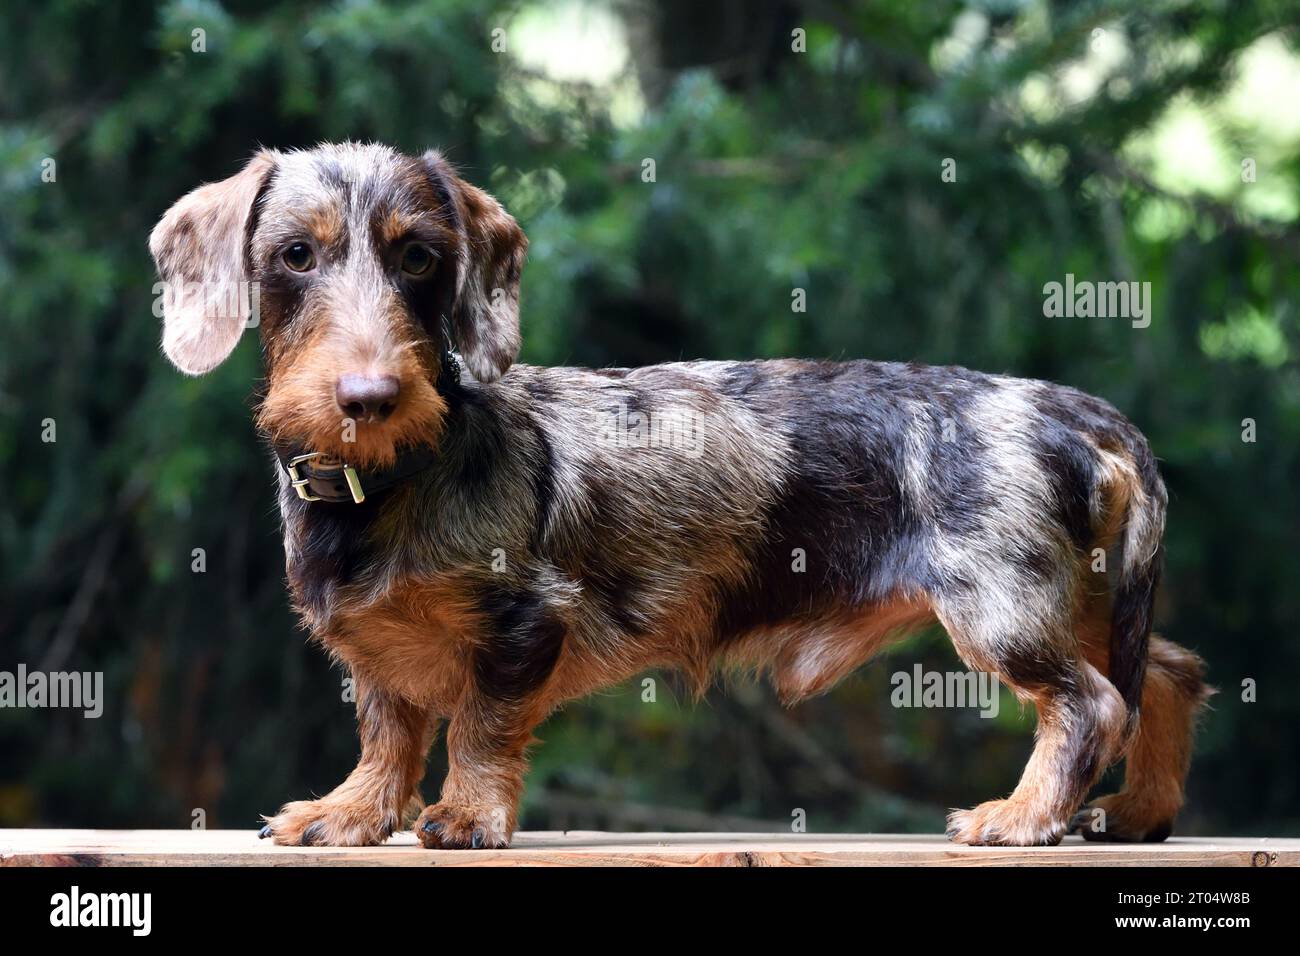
(319, 477)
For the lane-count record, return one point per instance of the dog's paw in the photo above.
(327, 822)
(1003, 823)
(449, 826)
(1120, 818)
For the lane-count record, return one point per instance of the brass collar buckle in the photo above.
(301, 483)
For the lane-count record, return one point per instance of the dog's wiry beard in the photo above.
(299, 407)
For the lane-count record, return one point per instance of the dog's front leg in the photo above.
(367, 807)
(486, 741)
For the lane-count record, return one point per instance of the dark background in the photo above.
(1101, 139)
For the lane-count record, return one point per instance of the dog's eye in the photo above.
(416, 259)
(299, 257)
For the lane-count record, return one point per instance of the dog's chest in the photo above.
(413, 634)
(416, 640)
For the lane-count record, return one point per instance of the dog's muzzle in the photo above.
(316, 476)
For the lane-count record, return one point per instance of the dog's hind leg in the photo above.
(1023, 635)
(1160, 753)
(1161, 683)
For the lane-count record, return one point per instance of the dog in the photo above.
(476, 542)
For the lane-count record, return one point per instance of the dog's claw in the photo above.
(1082, 824)
(432, 827)
(265, 832)
(477, 839)
(312, 834)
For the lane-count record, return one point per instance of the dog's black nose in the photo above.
(364, 398)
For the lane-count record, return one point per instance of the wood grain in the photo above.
(589, 848)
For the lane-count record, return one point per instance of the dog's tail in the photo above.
(1142, 503)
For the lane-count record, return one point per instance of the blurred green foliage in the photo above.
(1102, 139)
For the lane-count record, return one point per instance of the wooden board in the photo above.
(589, 848)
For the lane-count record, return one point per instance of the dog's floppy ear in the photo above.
(485, 311)
(200, 247)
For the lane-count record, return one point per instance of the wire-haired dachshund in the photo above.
(479, 541)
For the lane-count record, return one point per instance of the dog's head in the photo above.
(361, 266)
